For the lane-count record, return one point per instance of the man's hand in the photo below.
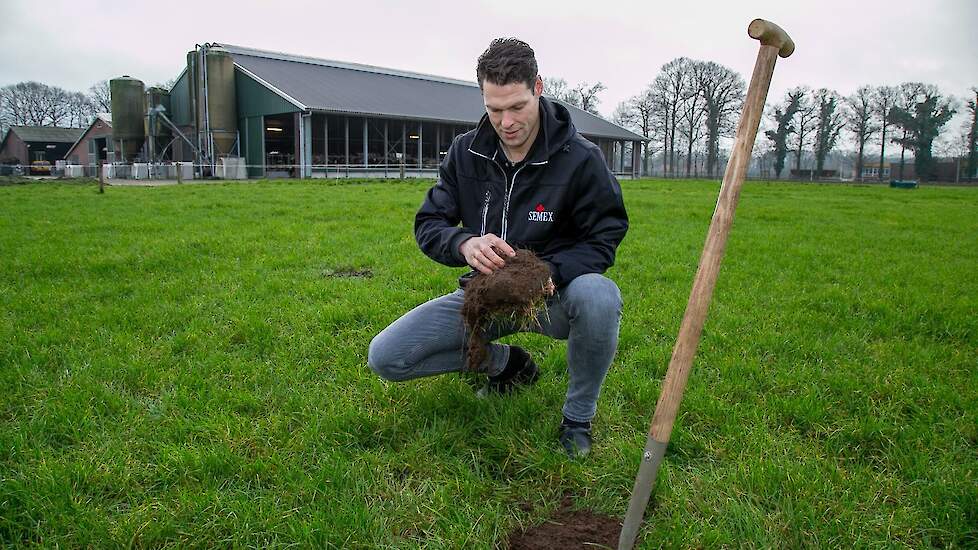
(549, 288)
(483, 253)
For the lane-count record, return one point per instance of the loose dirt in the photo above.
(513, 294)
(569, 530)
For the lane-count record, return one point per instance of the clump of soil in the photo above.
(511, 294)
(569, 530)
(348, 272)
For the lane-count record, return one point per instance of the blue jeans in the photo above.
(430, 339)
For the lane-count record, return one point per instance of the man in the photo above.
(523, 178)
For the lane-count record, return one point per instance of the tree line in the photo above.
(692, 104)
(38, 104)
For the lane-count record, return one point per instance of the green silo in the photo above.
(128, 127)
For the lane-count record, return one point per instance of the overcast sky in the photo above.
(841, 44)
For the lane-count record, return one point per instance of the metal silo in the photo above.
(158, 97)
(128, 111)
(193, 80)
(218, 104)
(159, 134)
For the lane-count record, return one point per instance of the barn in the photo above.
(295, 116)
(23, 145)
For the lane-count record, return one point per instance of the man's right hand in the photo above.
(483, 253)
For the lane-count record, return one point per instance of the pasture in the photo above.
(186, 366)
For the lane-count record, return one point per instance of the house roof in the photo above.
(47, 133)
(341, 87)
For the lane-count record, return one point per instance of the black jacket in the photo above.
(563, 202)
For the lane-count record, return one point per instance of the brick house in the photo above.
(94, 145)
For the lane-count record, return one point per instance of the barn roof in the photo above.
(47, 133)
(341, 87)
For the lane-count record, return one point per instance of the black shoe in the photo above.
(520, 371)
(575, 438)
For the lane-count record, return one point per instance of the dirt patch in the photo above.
(569, 530)
(513, 294)
(347, 273)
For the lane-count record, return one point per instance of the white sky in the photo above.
(841, 44)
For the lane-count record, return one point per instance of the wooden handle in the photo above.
(773, 41)
(716, 238)
(770, 34)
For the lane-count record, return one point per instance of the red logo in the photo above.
(540, 214)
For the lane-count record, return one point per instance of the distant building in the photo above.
(26, 144)
(94, 146)
(945, 170)
(307, 117)
(871, 171)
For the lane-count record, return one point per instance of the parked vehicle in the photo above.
(40, 167)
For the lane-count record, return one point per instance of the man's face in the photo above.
(514, 111)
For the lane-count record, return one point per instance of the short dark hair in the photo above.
(505, 61)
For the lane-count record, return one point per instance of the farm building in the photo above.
(94, 145)
(288, 115)
(26, 144)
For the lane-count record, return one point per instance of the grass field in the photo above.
(185, 366)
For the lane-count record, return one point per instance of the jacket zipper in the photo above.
(508, 186)
(509, 195)
(485, 207)
(485, 212)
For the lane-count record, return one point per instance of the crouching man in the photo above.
(523, 178)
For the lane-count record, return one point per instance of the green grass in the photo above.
(181, 366)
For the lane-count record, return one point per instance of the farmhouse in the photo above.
(290, 115)
(26, 144)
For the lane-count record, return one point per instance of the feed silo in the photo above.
(216, 109)
(128, 127)
(221, 106)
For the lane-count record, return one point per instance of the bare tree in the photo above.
(671, 86)
(641, 114)
(34, 104)
(972, 135)
(4, 116)
(166, 84)
(722, 90)
(861, 123)
(587, 96)
(921, 114)
(831, 120)
(81, 111)
(884, 97)
(804, 123)
(783, 115)
(904, 101)
(100, 96)
(691, 116)
(558, 89)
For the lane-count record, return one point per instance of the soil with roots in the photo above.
(569, 530)
(515, 294)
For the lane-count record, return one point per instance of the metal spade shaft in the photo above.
(774, 42)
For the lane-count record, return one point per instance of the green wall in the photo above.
(255, 99)
(180, 101)
(254, 102)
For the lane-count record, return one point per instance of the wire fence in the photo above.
(237, 169)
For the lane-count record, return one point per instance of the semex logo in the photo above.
(540, 214)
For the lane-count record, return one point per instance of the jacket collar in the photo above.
(556, 129)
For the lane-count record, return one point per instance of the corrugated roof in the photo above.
(336, 86)
(48, 133)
